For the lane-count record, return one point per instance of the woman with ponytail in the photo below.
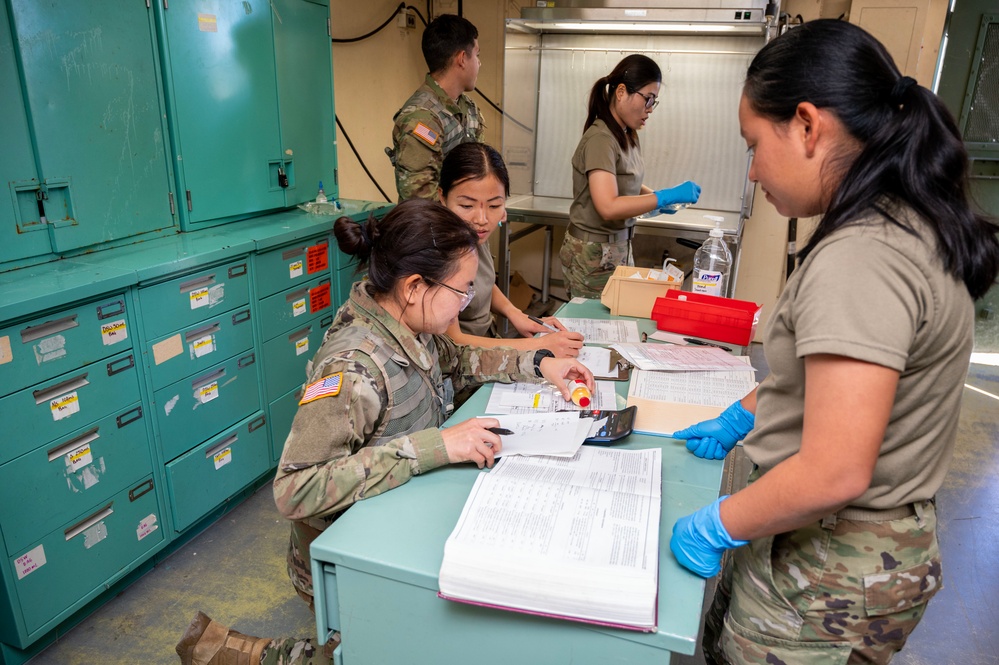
(834, 540)
(607, 175)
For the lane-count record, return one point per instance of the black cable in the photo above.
(417, 12)
(402, 6)
(356, 154)
(502, 112)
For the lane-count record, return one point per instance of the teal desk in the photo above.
(375, 573)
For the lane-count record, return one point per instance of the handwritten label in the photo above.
(146, 526)
(30, 562)
(76, 459)
(301, 346)
(295, 269)
(207, 393)
(203, 346)
(199, 298)
(114, 332)
(222, 458)
(318, 258)
(65, 405)
(298, 307)
(319, 297)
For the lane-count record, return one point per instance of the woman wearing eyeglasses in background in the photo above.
(607, 174)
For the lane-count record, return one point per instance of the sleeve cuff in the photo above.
(428, 446)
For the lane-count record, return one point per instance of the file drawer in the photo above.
(47, 346)
(77, 561)
(198, 347)
(281, 413)
(196, 408)
(190, 299)
(292, 265)
(282, 312)
(60, 406)
(203, 478)
(286, 356)
(54, 483)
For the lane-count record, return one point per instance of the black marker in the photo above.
(698, 342)
(502, 431)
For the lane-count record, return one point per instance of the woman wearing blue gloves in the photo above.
(834, 548)
(607, 174)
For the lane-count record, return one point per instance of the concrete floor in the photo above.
(235, 572)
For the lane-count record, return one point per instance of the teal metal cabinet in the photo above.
(92, 93)
(283, 310)
(279, 270)
(286, 355)
(190, 299)
(198, 346)
(280, 414)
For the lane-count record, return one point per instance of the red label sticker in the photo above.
(317, 258)
(319, 297)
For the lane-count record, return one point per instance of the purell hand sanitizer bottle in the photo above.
(712, 262)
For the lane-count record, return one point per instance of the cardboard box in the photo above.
(625, 296)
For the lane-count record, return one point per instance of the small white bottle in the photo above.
(712, 263)
(321, 196)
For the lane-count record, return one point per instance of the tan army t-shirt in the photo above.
(599, 150)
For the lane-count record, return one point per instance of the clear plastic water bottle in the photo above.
(712, 263)
(321, 195)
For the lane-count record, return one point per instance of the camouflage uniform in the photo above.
(586, 266)
(427, 127)
(381, 426)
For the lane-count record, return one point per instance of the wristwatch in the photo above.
(538, 357)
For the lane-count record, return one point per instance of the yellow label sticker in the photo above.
(208, 23)
(207, 392)
(222, 458)
(114, 332)
(295, 269)
(298, 307)
(302, 346)
(65, 405)
(199, 298)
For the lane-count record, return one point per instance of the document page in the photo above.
(680, 358)
(704, 388)
(603, 331)
(558, 434)
(526, 398)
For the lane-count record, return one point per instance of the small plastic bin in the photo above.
(710, 317)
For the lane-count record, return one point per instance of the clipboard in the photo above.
(623, 367)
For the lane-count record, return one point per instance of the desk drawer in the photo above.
(196, 408)
(58, 407)
(281, 413)
(54, 483)
(203, 478)
(199, 346)
(285, 311)
(285, 356)
(292, 265)
(47, 346)
(345, 278)
(77, 561)
(188, 300)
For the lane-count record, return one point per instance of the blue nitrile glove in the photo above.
(713, 439)
(700, 539)
(668, 199)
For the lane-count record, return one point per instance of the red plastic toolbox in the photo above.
(711, 317)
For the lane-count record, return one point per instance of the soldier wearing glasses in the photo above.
(607, 174)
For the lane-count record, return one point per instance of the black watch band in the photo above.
(538, 357)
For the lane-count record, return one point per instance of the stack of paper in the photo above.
(558, 434)
(527, 398)
(671, 401)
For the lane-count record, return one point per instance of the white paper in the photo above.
(671, 338)
(603, 331)
(559, 434)
(703, 388)
(519, 398)
(677, 358)
(597, 360)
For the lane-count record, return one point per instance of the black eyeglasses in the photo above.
(466, 296)
(650, 100)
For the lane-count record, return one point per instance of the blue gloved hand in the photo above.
(713, 439)
(668, 200)
(700, 539)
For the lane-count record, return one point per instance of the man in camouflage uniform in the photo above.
(439, 115)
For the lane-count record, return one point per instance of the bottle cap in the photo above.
(584, 402)
(717, 231)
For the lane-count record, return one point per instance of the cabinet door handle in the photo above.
(289, 254)
(119, 306)
(31, 333)
(207, 378)
(228, 441)
(241, 317)
(143, 488)
(73, 444)
(197, 283)
(237, 270)
(192, 335)
(42, 396)
(295, 295)
(83, 525)
(299, 334)
(256, 424)
(112, 369)
(136, 414)
(246, 361)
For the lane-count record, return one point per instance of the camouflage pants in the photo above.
(842, 594)
(298, 651)
(586, 266)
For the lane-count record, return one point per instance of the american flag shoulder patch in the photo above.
(425, 134)
(326, 387)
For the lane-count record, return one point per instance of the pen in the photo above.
(502, 431)
(698, 342)
(541, 323)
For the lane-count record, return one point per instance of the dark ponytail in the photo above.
(636, 71)
(911, 150)
(418, 237)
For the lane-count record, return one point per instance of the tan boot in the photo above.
(208, 642)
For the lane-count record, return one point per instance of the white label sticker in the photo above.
(146, 526)
(301, 346)
(114, 332)
(6, 355)
(216, 294)
(203, 346)
(298, 307)
(295, 269)
(30, 562)
(76, 459)
(207, 393)
(65, 405)
(199, 298)
(95, 534)
(222, 458)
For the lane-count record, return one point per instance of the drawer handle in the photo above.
(31, 333)
(237, 271)
(112, 370)
(208, 378)
(296, 295)
(327, 321)
(299, 334)
(240, 317)
(228, 441)
(69, 446)
(201, 332)
(289, 254)
(197, 283)
(145, 488)
(80, 527)
(246, 361)
(256, 424)
(322, 243)
(47, 395)
(137, 411)
(119, 306)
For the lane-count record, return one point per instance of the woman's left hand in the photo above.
(559, 371)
